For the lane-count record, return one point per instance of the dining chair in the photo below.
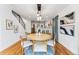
(25, 44)
(50, 42)
(40, 47)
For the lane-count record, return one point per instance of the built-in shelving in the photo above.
(43, 26)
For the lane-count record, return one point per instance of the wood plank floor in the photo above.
(16, 49)
(61, 50)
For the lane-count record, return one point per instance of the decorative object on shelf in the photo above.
(16, 29)
(43, 31)
(47, 31)
(39, 31)
(9, 24)
(42, 26)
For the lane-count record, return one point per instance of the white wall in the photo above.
(77, 26)
(70, 42)
(8, 37)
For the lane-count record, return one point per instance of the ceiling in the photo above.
(29, 11)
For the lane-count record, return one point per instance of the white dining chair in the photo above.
(25, 44)
(40, 47)
(50, 43)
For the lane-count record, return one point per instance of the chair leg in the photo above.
(33, 47)
(23, 51)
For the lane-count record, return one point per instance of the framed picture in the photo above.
(19, 18)
(9, 24)
(67, 19)
(16, 29)
(69, 30)
(67, 24)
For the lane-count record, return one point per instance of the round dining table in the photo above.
(39, 37)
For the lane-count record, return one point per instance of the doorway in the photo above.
(55, 28)
(33, 28)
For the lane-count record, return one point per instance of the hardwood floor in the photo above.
(61, 50)
(16, 49)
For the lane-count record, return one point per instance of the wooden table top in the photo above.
(39, 37)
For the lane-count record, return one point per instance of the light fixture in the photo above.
(39, 15)
(39, 12)
(39, 18)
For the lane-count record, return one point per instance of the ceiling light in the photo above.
(38, 14)
(39, 18)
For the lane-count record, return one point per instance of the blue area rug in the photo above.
(28, 51)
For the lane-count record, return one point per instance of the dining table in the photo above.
(39, 37)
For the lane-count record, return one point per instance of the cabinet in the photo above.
(42, 26)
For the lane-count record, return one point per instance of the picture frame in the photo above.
(9, 24)
(69, 30)
(67, 24)
(67, 19)
(19, 18)
(16, 29)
